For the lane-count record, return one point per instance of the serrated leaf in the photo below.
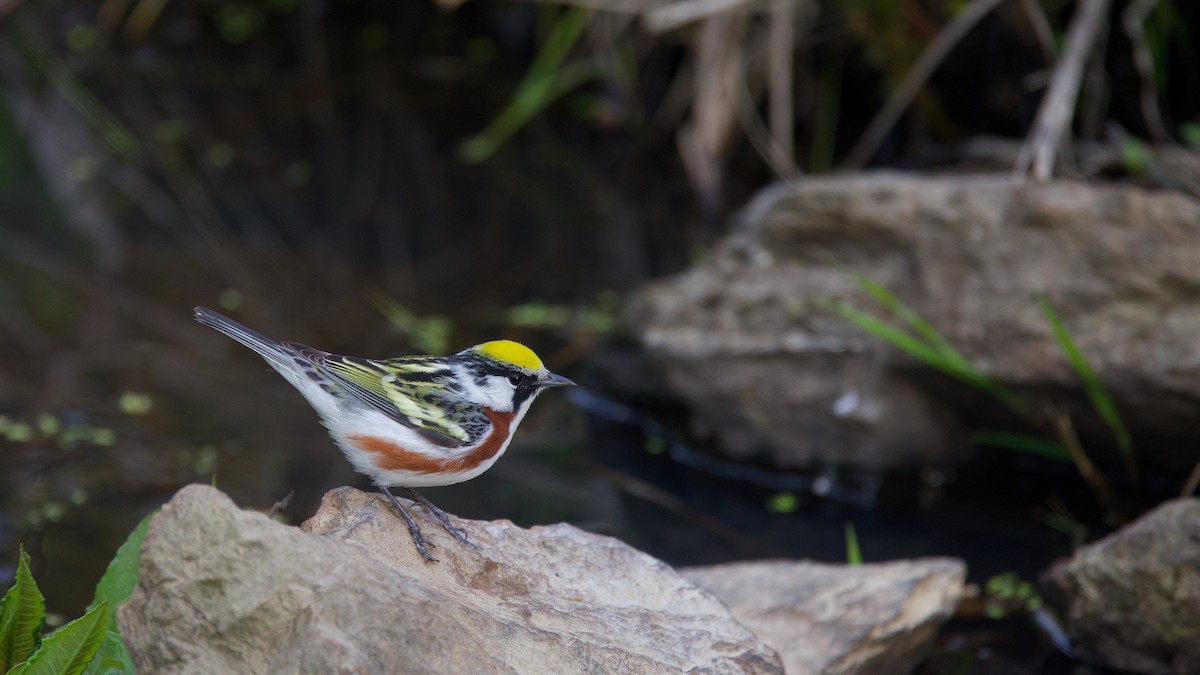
(115, 587)
(69, 650)
(22, 613)
(112, 659)
(118, 581)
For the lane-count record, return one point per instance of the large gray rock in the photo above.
(747, 341)
(874, 619)
(229, 591)
(1132, 600)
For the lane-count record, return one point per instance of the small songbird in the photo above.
(411, 421)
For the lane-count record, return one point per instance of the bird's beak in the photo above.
(552, 380)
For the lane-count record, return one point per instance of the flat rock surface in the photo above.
(871, 619)
(229, 591)
(1132, 600)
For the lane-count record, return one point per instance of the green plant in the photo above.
(429, 334)
(113, 589)
(919, 339)
(1099, 397)
(90, 644)
(927, 345)
(853, 552)
(783, 502)
(1008, 592)
(598, 317)
(23, 649)
(548, 79)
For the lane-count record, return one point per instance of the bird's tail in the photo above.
(272, 351)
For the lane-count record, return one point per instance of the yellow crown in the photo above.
(513, 353)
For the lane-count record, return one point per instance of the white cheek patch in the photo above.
(494, 392)
(500, 392)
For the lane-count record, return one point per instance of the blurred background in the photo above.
(379, 178)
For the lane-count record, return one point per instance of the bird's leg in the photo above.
(413, 529)
(442, 517)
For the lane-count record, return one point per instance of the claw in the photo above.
(443, 518)
(414, 530)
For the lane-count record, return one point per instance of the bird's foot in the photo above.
(414, 530)
(443, 518)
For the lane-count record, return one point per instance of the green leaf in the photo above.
(1190, 133)
(112, 659)
(929, 346)
(944, 359)
(430, 334)
(919, 325)
(1097, 394)
(783, 502)
(22, 613)
(114, 588)
(893, 336)
(118, 581)
(69, 650)
(853, 553)
(547, 80)
(1032, 445)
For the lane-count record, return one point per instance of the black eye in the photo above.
(516, 380)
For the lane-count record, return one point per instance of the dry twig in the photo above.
(1192, 482)
(280, 505)
(675, 15)
(718, 47)
(1131, 20)
(915, 78)
(780, 42)
(1099, 485)
(1054, 116)
(1041, 28)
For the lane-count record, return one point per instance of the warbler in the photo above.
(411, 421)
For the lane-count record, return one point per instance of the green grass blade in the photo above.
(22, 613)
(853, 553)
(894, 336)
(1097, 394)
(914, 320)
(546, 81)
(69, 650)
(958, 368)
(89, 107)
(430, 334)
(1032, 445)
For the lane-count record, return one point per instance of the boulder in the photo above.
(1131, 601)
(223, 590)
(872, 619)
(748, 342)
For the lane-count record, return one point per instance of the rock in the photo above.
(826, 619)
(1131, 601)
(228, 591)
(747, 341)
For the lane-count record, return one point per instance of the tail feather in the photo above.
(269, 349)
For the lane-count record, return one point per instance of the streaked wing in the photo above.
(395, 394)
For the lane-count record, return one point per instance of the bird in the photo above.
(411, 421)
